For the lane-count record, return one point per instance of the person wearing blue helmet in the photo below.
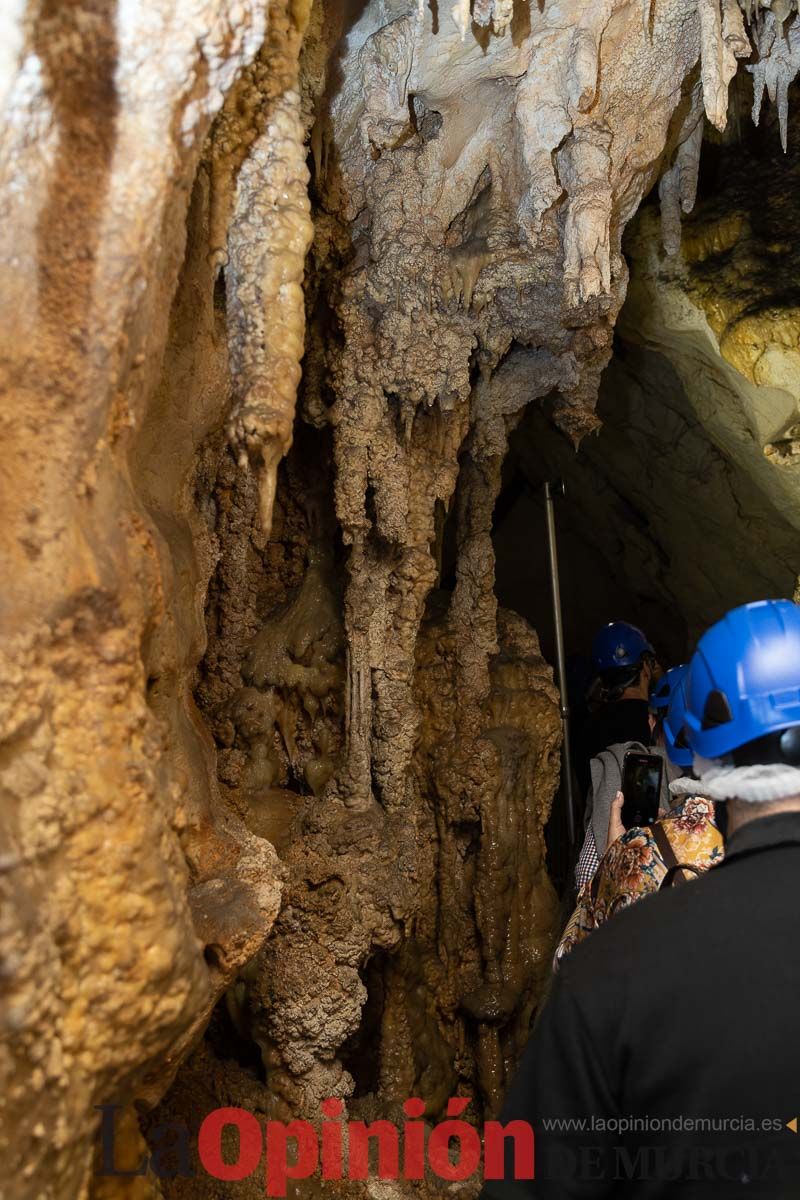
(681, 1012)
(639, 862)
(619, 647)
(625, 666)
(668, 698)
(743, 708)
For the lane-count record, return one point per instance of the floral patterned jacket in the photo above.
(634, 867)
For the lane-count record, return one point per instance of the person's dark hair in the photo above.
(615, 681)
(658, 726)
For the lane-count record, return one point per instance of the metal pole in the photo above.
(551, 490)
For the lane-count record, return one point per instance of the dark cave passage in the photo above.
(612, 562)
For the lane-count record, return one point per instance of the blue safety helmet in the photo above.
(674, 726)
(619, 645)
(662, 689)
(743, 684)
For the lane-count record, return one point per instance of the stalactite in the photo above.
(777, 67)
(584, 165)
(269, 235)
(722, 41)
(462, 14)
(678, 184)
(270, 231)
(754, 9)
(584, 58)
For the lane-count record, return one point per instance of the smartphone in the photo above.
(641, 787)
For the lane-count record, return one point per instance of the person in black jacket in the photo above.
(666, 1062)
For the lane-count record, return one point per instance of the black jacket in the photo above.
(685, 1006)
(620, 721)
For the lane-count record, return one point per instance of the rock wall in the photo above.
(131, 897)
(189, 686)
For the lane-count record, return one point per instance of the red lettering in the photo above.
(495, 1136)
(414, 1140)
(469, 1145)
(209, 1143)
(278, 1166)
(332, 1156)
(388, 1149)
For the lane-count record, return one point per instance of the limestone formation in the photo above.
(280, 284)
(130, 897)
(690, 489)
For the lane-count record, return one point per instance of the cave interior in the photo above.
(662, 523)
(300, 316)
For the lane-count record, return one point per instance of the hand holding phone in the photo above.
(641, 787)
(615, 826)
